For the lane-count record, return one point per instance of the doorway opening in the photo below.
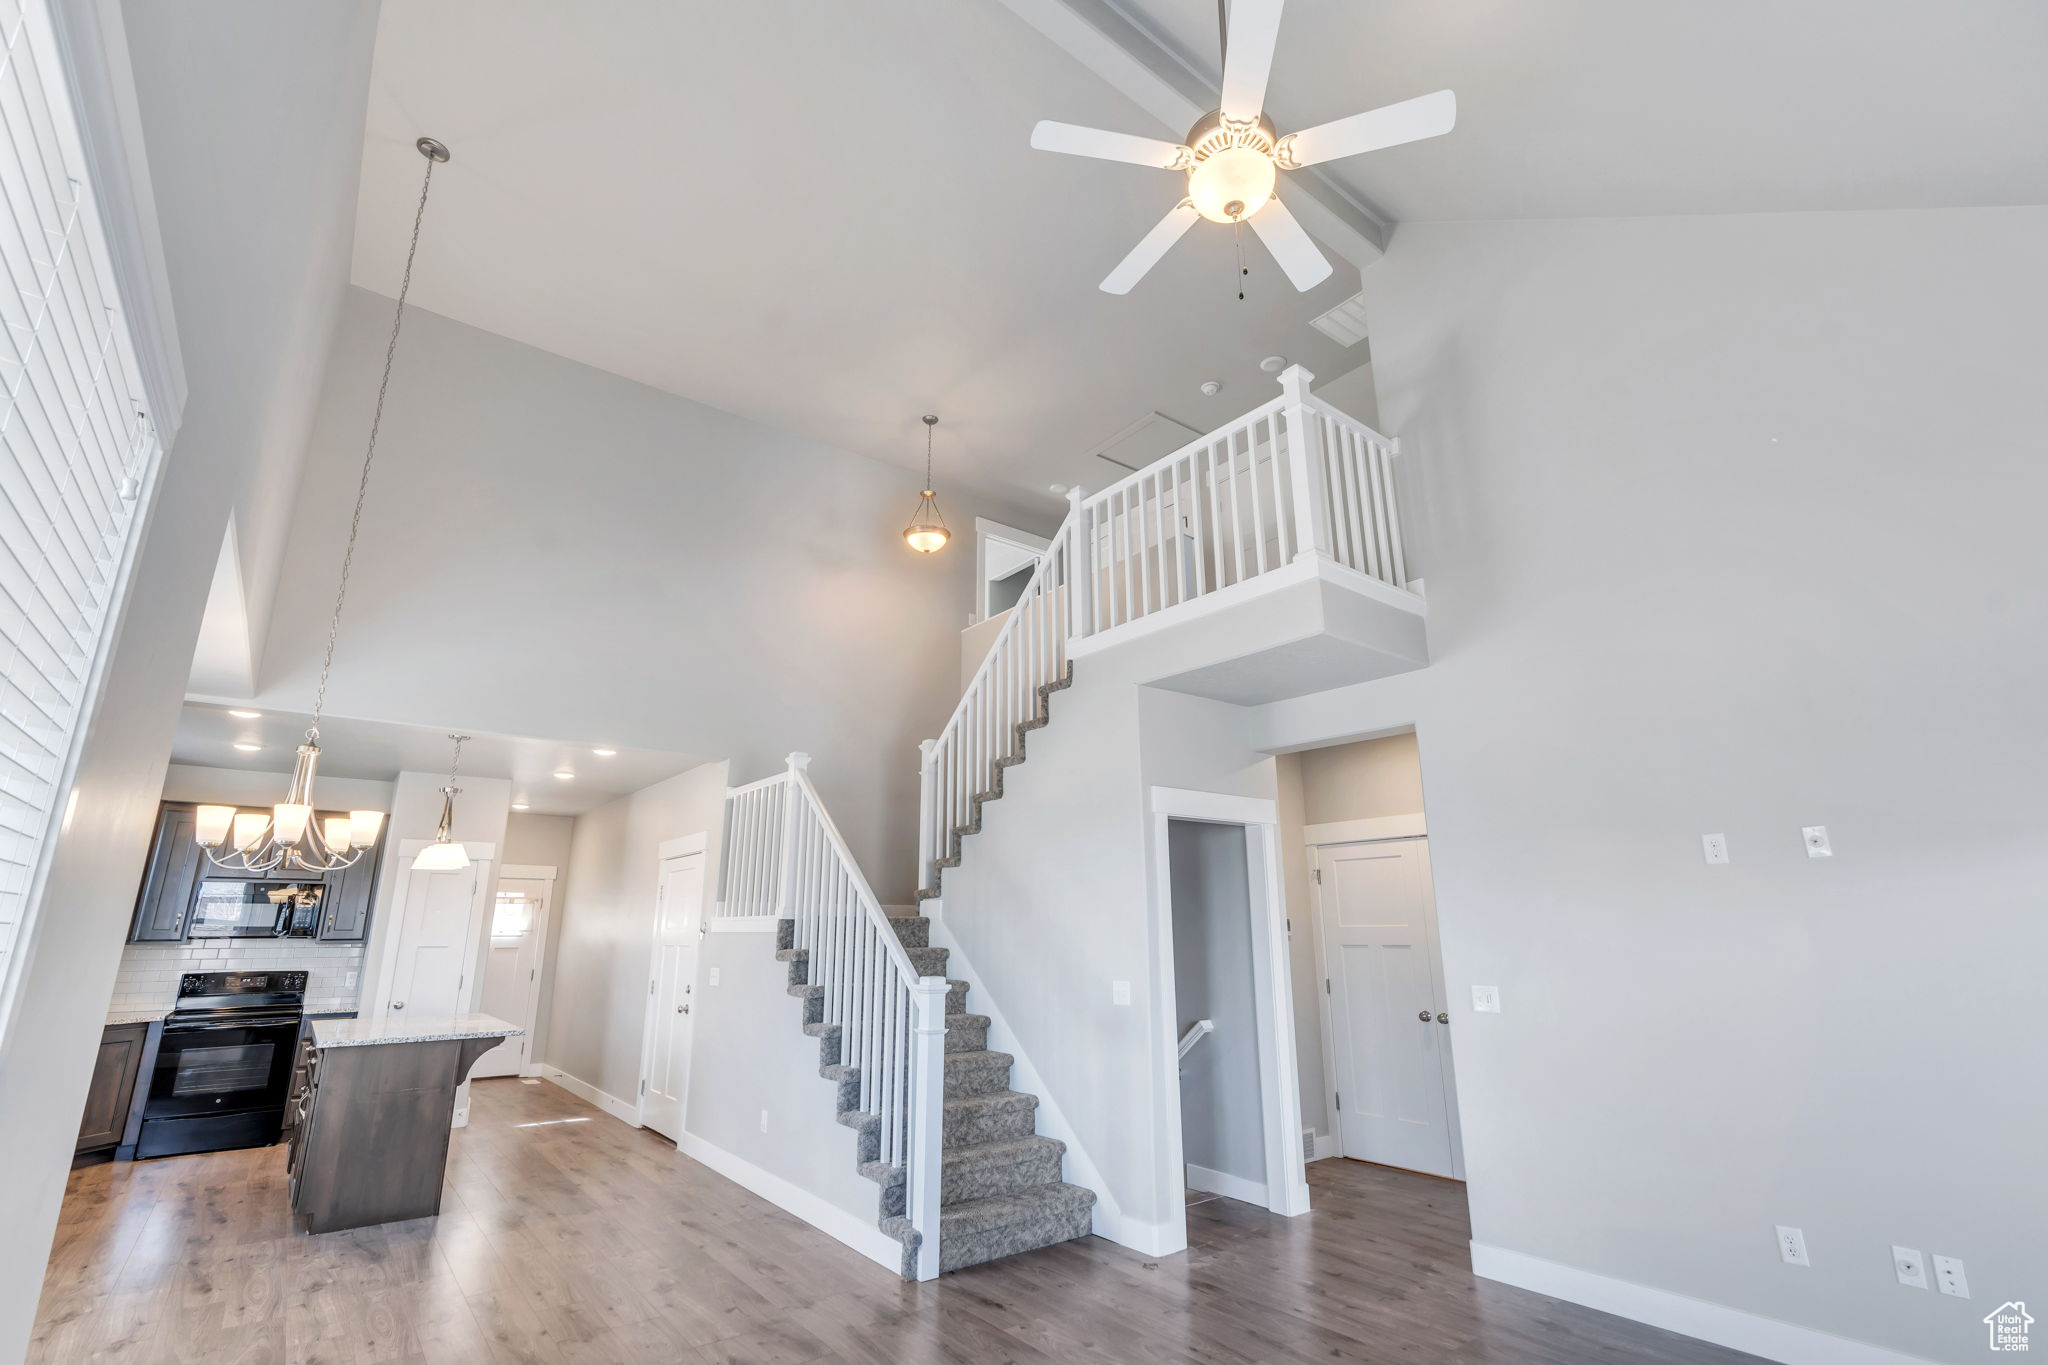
(1226, 1016)
(521, 918)
(1380, 1037)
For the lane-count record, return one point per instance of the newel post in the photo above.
(925, 1154)
(785, 858)
(1306, 468)
(1080, 566)
(926, 822)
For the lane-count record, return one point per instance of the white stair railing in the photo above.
(783, 856)
(1291, 481)
(1029, 652)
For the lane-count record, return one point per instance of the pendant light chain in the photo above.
(369, 456)
(455, 762)
(928, 427)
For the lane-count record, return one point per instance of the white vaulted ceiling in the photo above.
(822, 216)
(826, 217)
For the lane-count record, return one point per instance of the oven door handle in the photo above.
(231, 1023)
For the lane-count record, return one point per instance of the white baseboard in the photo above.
(1228, 1185)
(590, 1094)
(863, 1236)
(1718, 1323)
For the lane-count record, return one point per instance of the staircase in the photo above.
(1000, 1188)
(1039, 717)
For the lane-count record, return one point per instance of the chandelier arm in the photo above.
(370, 452)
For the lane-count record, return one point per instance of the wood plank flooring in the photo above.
(566, 1236)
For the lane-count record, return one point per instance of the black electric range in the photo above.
(224, 1067)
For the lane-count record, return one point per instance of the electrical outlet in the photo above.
(1949, 1277)
(764, 1120)
(1911, 1269)
(1486, 999)
(1120, 992)
(1817, 845)
(714, 976)
(1715, 847)
(1792, 1246)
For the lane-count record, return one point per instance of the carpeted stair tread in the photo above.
(1004, 1210)
(977, 1072)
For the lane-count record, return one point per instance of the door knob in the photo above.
(1443, 1018)
(398, 1004)
(1424, 1016)
(682, 1009)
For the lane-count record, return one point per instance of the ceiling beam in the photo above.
(1099, 36)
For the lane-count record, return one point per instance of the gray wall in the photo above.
(1221, 1112)
(595, 1002)
(1369, 780)
(250, 249)
(628, 568)
(1732, 525)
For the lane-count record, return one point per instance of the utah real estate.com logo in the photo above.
(2007, 1325)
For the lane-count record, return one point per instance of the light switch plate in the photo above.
(1486, 999)
(1910, 1266)
(1120, 992)
(1715, 847)
(1817, 845)
(714, 976)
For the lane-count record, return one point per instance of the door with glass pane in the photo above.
(513, 964)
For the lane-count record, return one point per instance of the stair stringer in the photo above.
(1111, 1222)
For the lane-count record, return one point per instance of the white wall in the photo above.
(628, 568)
(597, 997)
(247, 250)
(1732, 525)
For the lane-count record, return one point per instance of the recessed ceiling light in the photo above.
(1058, 488)
(246, 715)
(606, 753)
(250, 748)
(565, 774)
(518, 805)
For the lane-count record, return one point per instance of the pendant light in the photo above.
(289, 837)
(927, 533)
(445, 854)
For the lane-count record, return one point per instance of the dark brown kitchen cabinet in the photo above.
(176, 862)
(113, 1087)
(177, 866)
(345, 904)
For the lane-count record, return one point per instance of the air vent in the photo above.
(1308, 1144)
(1344, 324)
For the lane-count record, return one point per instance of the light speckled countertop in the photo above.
(416, 1028)
(134, 1017)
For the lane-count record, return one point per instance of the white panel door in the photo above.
(437, 940)
(1390, 1042)
(678, 915)
(512, 970)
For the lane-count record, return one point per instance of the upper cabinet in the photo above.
(178, 866)
(172, 879)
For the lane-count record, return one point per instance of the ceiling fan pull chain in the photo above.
(1243, 270)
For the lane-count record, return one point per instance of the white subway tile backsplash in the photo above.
(148, 978)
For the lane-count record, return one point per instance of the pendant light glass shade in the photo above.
(927, 533)
(445, 854)
(214, 824)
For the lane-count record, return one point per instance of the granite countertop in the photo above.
(133, 1016)
(409, 1028)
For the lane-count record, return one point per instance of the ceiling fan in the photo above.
(1233, 155)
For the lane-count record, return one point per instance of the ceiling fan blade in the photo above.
(1408, 121)
(1075, 140)
(1248, 56)
(1278, 229)
(1147, 252)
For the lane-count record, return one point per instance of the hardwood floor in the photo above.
(567, 1236)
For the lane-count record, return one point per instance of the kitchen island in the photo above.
(371, 1140)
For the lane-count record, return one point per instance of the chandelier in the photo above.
(289, 837)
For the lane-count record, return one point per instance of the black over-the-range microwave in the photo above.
(240, 907)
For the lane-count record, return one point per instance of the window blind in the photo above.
(77, 452)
